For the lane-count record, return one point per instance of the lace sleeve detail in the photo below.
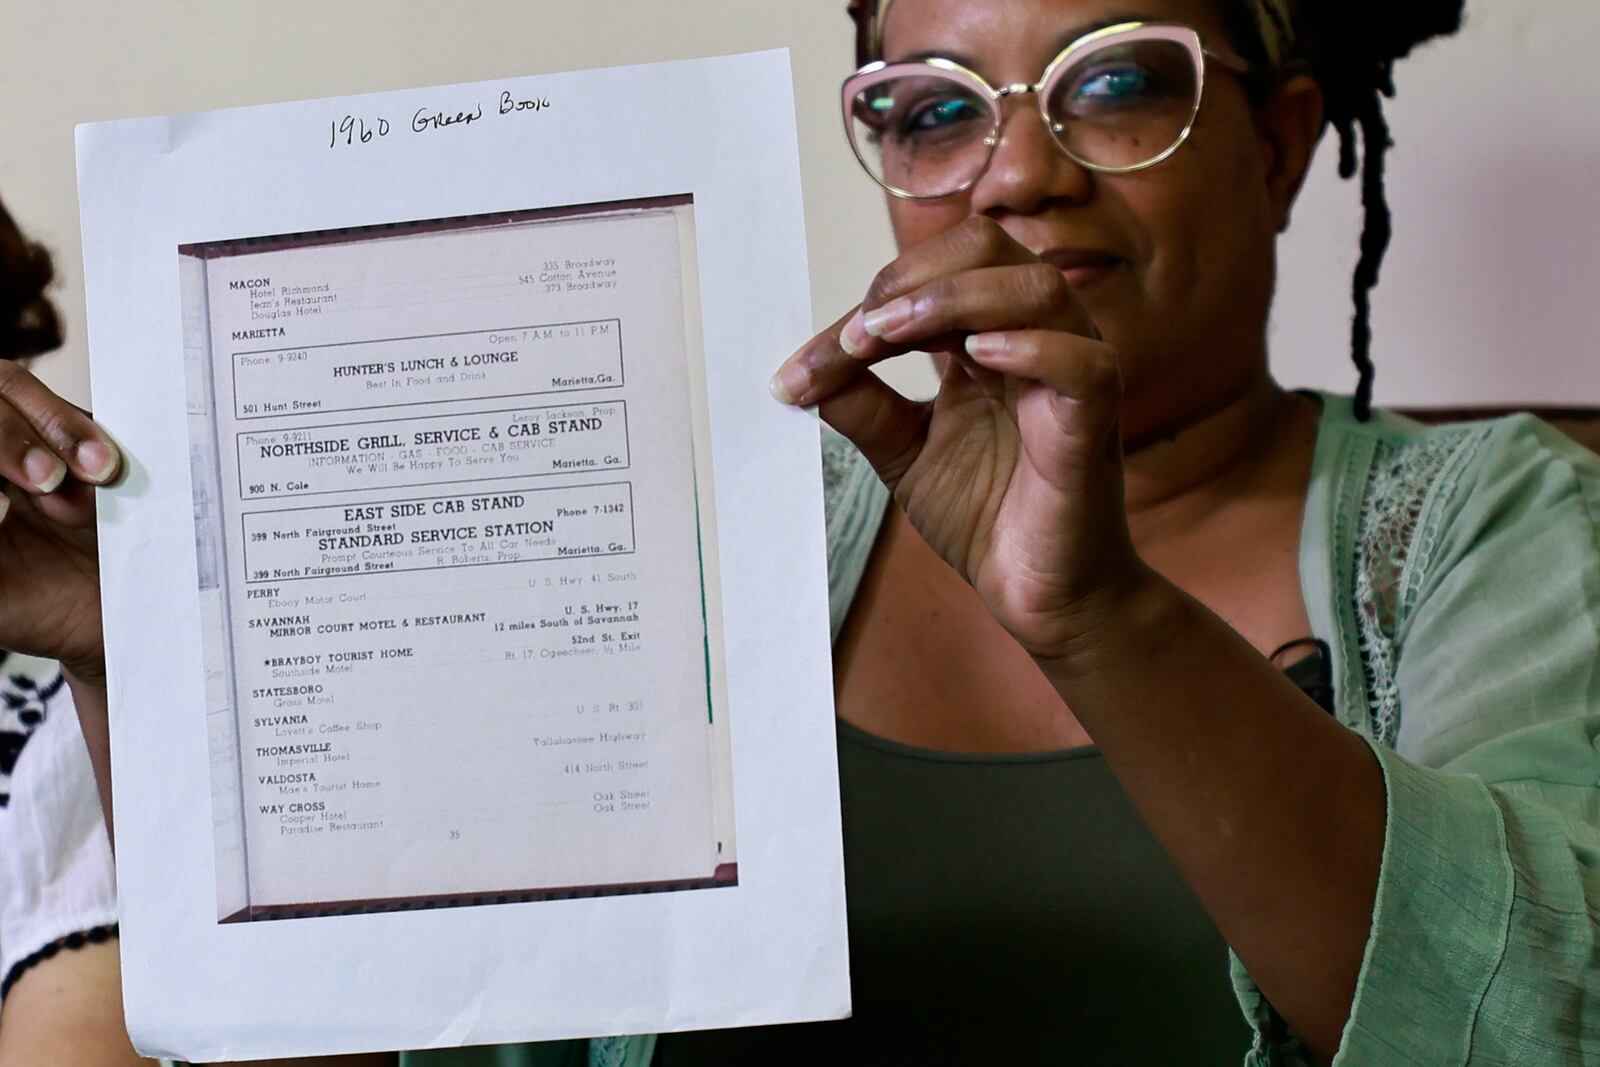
(855, 501)
(1395, 539)
(844, 471)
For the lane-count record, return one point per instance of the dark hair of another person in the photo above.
(28, 322)
(1350, 47)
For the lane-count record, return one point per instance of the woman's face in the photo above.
(1182, 252)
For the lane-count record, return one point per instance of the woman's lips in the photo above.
(1082, 268)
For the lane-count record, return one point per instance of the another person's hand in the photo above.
(68, 1010)
(51, 456)
(1013, 473)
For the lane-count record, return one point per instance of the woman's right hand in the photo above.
(52, 454)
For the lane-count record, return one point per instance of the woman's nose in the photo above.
(1029, 168)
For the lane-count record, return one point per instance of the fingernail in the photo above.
(790, 383)
(985, 344)
(5, 507)
(891, 316)
(98, 461)
(44, 469)
(854, 336)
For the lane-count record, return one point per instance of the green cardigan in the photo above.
(1455, 574)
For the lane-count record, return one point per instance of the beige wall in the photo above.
(1488, 295)
(68, 61)
(1489, 291)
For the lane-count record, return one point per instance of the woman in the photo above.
(1061, 722)
(1146, 517)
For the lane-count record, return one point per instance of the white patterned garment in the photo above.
(57, 888)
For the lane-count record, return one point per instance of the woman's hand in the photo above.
(1013, 472)
(51, 455)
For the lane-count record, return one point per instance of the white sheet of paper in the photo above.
(465, 599)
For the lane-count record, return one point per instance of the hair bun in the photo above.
(1399, 28)
(1377, 32)
(1353, 46)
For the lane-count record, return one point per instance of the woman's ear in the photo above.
(1291, 123)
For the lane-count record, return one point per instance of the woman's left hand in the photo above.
(1013, 472)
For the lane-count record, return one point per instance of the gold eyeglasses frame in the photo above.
(1125, 32)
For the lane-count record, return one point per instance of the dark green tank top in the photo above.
(1007, 910)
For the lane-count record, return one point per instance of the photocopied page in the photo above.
(415, 516)
(459, 497)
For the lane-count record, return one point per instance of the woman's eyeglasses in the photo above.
(1117, 100)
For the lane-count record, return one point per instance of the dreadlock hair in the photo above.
(1350, 47)
(28, 323)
